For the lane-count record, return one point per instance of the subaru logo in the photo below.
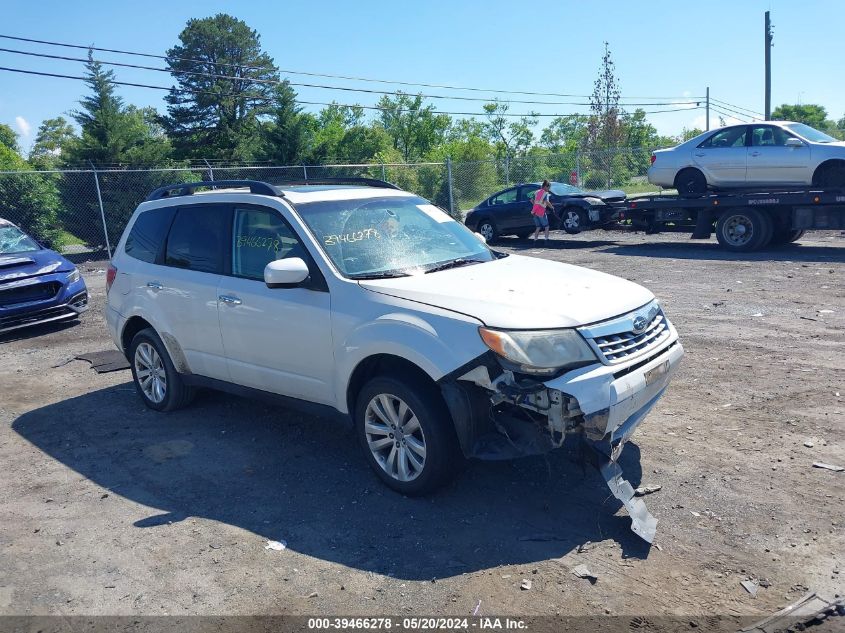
(639, 323)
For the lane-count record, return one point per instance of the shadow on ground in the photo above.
(282, 475)
(713, 252)
(34, 331)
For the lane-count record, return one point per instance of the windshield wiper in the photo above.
(380, 275)
(455, 263)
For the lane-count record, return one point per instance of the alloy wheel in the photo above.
(395, 437)
(150, 372)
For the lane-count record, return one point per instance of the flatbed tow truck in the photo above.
(743, 220)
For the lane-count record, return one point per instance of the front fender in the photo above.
(435, 344)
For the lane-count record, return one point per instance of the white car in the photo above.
(774, 153)
(370, 303)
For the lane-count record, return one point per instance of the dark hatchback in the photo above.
(37, 285)
(508, 212)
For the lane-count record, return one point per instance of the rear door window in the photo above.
(729, 137)
(146, 238)
(198, 238)
(506, 197)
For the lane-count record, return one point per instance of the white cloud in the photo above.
(23, 126)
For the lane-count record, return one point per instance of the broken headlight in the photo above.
(540, 352)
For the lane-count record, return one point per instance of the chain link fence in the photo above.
(85, 211)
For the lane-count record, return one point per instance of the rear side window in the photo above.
(147, 235)
(198, 237)
(729, 137)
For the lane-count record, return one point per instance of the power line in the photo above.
(738, 113)
(317, 103)
(726, 114)
(312, 74)
(305, 85)
(725, 103)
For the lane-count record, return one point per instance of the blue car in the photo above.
(37, 285)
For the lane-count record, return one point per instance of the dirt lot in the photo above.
(109, 508)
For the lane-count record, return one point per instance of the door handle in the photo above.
(229, 300)
(699, 153)
(155, 285)
(755, 153)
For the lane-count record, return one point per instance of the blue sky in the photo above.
(662, 48)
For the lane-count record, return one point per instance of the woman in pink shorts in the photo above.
(541, 203)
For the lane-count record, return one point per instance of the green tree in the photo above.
(55, 137)
(809, 113)
(687, 134)
(8, 137)
(414, 128)
(113, 133)
(287, 137)
(605, 132)
(511, 138)
(28, 199)
(564, 134)
(209, 115)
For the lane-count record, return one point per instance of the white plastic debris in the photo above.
(757, 314)
(276, 545)
(809, 444)
(836, 469)
(750, 586)
(647, 490)
(526, 584)
(582, 571)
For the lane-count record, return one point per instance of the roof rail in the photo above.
(369, 182)
(188, 188)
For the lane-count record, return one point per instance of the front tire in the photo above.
(691, 183)
(407, 434)
(158, 383)
(830, 176)
(574, 220)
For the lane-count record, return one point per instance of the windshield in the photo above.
(810, 133)
(390, 236)
(561, 189)
(13, 240)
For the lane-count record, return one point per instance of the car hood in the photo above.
(607, 195)
(521, 293)
(31, 264)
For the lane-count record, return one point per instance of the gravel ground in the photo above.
(111, 509)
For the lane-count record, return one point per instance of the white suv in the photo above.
(370, 303)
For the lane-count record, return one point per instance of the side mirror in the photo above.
(793, 142)
(480, 236)
(285, 273)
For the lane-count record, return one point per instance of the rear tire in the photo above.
(787, 235)
(158, 383)
(744, 230)
(407, 434)
(488, 229)
(690, 183)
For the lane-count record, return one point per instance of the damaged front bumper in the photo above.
(500, 416)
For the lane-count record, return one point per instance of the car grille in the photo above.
(27, 294)
(625, 343)
(38, 316)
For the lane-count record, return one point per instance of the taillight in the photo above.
(111, 273)
(653, 158)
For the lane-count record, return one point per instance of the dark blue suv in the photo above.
(37, 285)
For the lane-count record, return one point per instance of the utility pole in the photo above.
(768, 34)
(707, 110)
